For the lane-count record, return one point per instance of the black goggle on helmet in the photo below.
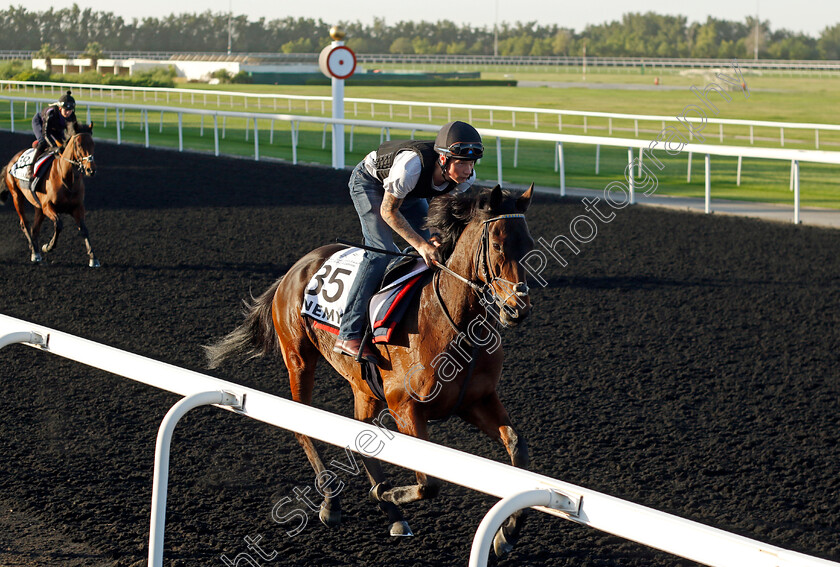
(459, 140)
(67, 101)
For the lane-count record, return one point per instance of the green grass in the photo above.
(789, 99)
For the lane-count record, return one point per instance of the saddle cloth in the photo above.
(20, 170)
(326, 296)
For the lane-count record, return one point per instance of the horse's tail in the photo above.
(254, 338)
(4, 192)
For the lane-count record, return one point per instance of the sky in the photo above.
(808, 16)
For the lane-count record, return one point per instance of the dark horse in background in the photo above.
(484, 236)
(61, 192)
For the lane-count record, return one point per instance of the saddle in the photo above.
(20, 169)
(325, 299)
(326, 296)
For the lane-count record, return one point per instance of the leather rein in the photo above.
(482, 259)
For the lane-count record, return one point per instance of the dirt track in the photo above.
(684, 362)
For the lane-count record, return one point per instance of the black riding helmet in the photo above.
(459, 140)
(67, 101)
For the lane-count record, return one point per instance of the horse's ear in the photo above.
(496, 198)
(524, 201)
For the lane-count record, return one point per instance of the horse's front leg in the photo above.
(490, 416)
(371, 410)
(79, 217)
(411, 423)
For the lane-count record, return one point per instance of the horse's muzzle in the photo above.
(513, 316)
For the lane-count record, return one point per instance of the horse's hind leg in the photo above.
(367, 409)
(490, 416)
(79, 217)
(19, 201)
(301, 358)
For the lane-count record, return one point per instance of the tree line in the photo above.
(635, 35)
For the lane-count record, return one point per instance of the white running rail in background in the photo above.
(634, 163)
(516, 487)
(477, 113)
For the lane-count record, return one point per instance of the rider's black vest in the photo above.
(428, 160)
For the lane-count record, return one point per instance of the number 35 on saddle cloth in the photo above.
(20, 169)
(326, 297)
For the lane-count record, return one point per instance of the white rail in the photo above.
(476, 112)
(633, 162)
(516, 487)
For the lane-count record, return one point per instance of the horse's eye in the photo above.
(497, 247)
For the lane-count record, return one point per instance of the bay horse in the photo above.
(483, 236)
(61, 192)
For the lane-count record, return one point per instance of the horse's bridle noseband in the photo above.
(78, 164)
(485, 291)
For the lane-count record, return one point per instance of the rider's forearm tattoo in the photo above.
(391, 214)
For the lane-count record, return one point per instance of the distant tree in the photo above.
(401, 45)
(47, 52)
(562, 42)
(300, 45)
(93, 51)
(829, 42)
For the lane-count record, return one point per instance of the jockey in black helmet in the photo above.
(51, 126)
(390, 189)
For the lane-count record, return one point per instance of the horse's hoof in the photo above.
(94, 263)
(401, 529)
(44, 248)
(329, 518)
(501, 545)
(35, 258)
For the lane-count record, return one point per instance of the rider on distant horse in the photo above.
(51, 126)
(390, 188)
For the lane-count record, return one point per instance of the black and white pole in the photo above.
(338, 62)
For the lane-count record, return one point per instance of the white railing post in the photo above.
(180, 132)
(796, 192)
(499, 159)
(504, 508)
(515, 152)
(294, 132)
(256, 141)
(30, 337)
(631, 182)
(708, 171)
(146, 119)
(216, 134)
(688, 174)
(597, 158)
(561, 166)
(161, 474)
(740, 161)
(119, 133)
(12, 114)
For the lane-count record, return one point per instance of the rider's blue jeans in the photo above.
(367, 193)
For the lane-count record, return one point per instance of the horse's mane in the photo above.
(75, 127)
(450, 214)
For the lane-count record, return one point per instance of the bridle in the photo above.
(482, 258)
(486, 292)
(79, 163)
